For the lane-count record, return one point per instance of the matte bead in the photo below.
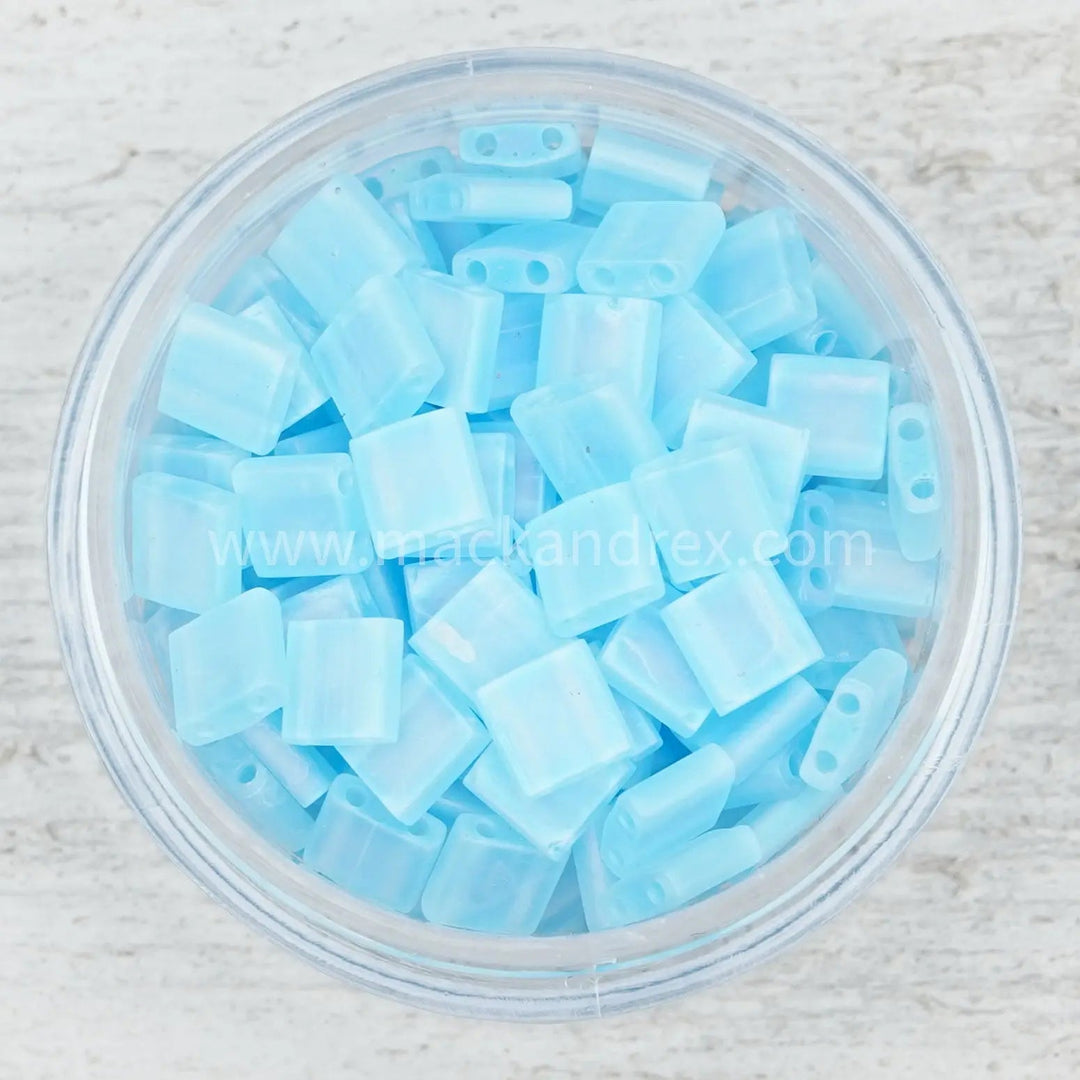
(419, 233)
(775, 779)
(393, 176)
(229, 377)
(807, 564)
(361, 848)
(811, 392)
(157, 628)
(915, 498)
(430, 585)
(535, 149)
(624, 166)
(861, 708)
(703, 864)
(669, 751)
(775, 825)
(463, 322)
(496, 457)
(185, 542)
(593, 560)
(344, 597)
(518, 350)
(302, 515)
(650, 248)
(332, 439)
(609, 338)
(667, 810)
(779, 449)
(641, 660)
(759, 730)
(758, 279)
(754, 387)
(595, 880)
(490, 879)
(553, 821)
(198, 457)
(585, 434)
(741, 634)
(564, 914)
(455, 801)
(532, 493)
(336, 241)
(304, 773)
(452, 236)
(698, 533)
(344, 681)
(258, 796)
(645, 738)
(554, 719)
(308, 390)
(496, 200)
(421, 484)
(492, 625)
(698, 353)
(846, 636)
(536, 257)
(436, 742)
(228, 668)
(385, 583)
(258, 277)
(376, 358)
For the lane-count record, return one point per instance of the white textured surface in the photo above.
(964, 961)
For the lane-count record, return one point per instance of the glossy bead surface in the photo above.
(916, 503)
(534, 257)
(495, 200)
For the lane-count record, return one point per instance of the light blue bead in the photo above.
(703, 864)
(258, 277)
(419, 233)
(741, 634)
(229, 377)
(641, 660)
(593, 560)
(489, 879)
(496, 200)
(332, 439)
(361, 848)
(308, 391)
(336, 241)
(861, 708)
(645, 738)
(463, 322)
(585, 434)
(915, 498)
(650, 248)
(554, 821)
(198, 457)
(774, 780)
(436, 742)
(430, 585)
(867, 568)
(304, 773)
(495, 454)
(228, 668)
(667, 810)
(157, 628)
(698, 353)
(595, 881)
(698, 533)
(385, 583)
(186, 542)
(455, 801)
(529, 148)
(806, 567)
(492, 625)
(532, 492)
(554, 719)
(759, 280)
(611, 338)
(344, 681)
(847, 636)
(262, 800)
(754, 388)
(393, 176)
(421, 483)
(624, 166)
(376, 358)
(779, 449)
(753, 734)
(564, 914)
(812, 392)
(535, 257)
(776, 824)
(344, 597)
(452, 236)
(302, 515)
(518, 351)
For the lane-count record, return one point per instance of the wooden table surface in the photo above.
(964, 961)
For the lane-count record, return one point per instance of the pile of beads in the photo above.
(526, 544)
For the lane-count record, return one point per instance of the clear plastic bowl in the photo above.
(762, 160)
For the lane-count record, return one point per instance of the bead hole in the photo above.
(817, 516)
(485, 829)
(537, 272)
(551, 138)
(662, 275)
(910, 430)
(603, 277)
(824, 343)
(825, 762)
(923, 489)
(354, 796)
(476, 272)
(848, 704)
(429, 167)
(374, 186)
(486, 144)
(245, 774)
(819, 579)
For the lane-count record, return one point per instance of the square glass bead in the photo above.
(916, 503)
(534, 257)
(198, 457)
(490, 200)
